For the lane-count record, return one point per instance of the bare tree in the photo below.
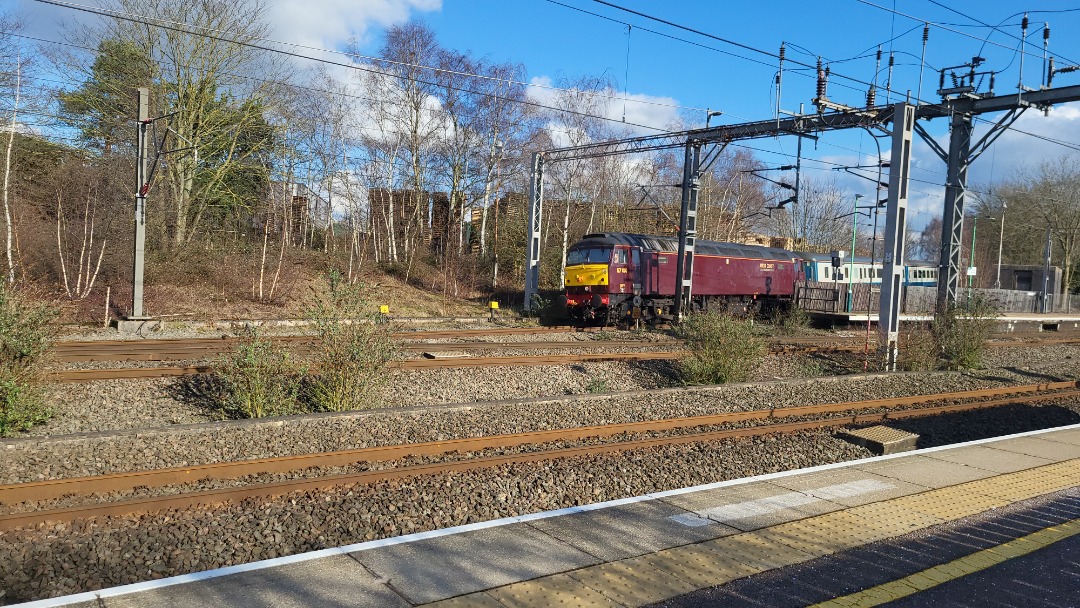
(84, 265)
(407, 94)
(577, 120)
(821, 218)
(12, 67)
(1044, 198)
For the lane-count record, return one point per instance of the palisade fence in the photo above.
(830, 297)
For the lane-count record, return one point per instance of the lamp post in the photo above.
(851, 268)
(1001, 241)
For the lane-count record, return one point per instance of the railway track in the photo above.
(170, 371)
(831, 415)
(196, 348)
(203, 348)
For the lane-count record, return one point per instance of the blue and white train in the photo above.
(818, 267)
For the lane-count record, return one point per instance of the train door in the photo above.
(636, 272)
(622, 280)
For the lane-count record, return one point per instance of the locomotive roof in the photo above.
(671, 244)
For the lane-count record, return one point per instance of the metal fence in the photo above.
(829, 297)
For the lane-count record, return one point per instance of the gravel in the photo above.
(95, 454)
(51, 560)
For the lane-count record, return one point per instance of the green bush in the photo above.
(26, 331)
(259, 379)
(720, 348)
(960, 334)
(356, 346)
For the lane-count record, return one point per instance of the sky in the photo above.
(729, 63)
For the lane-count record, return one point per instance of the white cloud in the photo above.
(334, 22)
(1022, 147)
(627, 110)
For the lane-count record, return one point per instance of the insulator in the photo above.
(871, 97)
(954, 81)
(925, 32)
(892, 60)
(1024, 23)
(783, 50)
(879, 53)
(820, 80)
(941, 81)
(1046, 32)
(991, 82)
(1050, 73)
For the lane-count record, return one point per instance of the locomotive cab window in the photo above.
(590, 255)
(620, 256)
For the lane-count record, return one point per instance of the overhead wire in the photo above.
(552, 108)
(219, 35)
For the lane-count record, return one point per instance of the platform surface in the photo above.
(908, 528)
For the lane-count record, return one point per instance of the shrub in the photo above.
(356, 346)
(960, 334)
(258, 379)
(547, 310)
(720, 348)
(918, 350)
(26, 331)
(789, 320)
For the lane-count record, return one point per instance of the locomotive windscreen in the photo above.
(588, 255)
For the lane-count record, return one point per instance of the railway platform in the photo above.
(1000, 517)
(1006, 322)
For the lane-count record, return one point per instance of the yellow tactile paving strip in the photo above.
(657, 576)
(955, 569)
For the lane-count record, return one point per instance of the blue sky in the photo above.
(555, 42)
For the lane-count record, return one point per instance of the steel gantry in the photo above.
(960, 109)
(702, 147)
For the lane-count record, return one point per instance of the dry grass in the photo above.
(225, 294)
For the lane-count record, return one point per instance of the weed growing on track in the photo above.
(720, 348)
(26, 330)
(918, 350)
(960, 333)
(598, 384)
(954, 340)
(258, 379)
(356, 347)
(789, 320)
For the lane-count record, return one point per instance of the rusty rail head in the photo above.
(51, 489)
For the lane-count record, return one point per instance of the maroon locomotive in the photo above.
(612, 276)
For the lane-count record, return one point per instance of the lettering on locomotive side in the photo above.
(660, 259)
(621, 270)
(767, 266)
